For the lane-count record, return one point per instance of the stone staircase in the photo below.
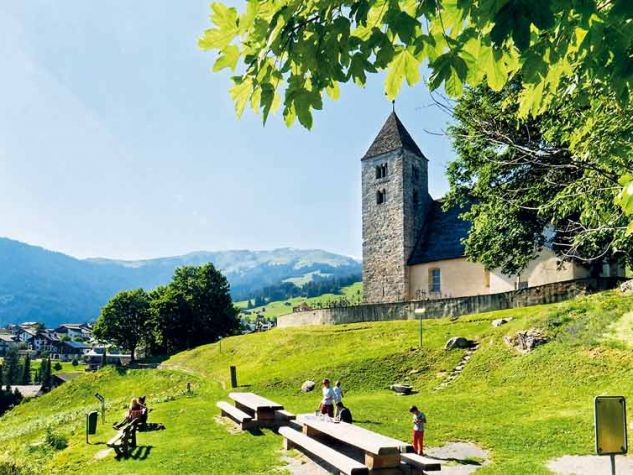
(458, 369)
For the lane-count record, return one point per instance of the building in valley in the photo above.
(412, 248)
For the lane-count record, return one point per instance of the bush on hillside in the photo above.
(57, 366)
(55, 440)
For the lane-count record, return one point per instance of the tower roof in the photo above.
(392, 136)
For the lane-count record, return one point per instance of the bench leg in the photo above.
(289, 445)
(382, 461)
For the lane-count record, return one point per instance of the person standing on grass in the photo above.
(419, 419)
(327, 403)
(338, 395)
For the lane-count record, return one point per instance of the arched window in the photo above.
(381, 171)
(381, 196)
(416, 201)
(416, 172)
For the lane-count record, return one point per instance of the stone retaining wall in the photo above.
(440, 308)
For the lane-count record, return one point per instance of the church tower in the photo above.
(395, 203)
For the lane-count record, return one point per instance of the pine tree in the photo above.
(12, 367)
(46, 373)
(1, 377)
(26, 371)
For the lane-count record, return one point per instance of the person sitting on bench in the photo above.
(344, 414)
(134, 412)
(144, 409)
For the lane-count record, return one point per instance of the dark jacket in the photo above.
(345, 415)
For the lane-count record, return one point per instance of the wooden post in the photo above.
(233, 377)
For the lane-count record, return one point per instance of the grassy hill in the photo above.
(353, 293)
(526, 409)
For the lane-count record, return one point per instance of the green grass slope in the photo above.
(526, 409)
(353, 293)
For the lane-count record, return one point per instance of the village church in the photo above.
(412, 248)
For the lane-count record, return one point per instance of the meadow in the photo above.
(524, 408)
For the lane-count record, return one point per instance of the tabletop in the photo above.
(357, 436)
(254, 401)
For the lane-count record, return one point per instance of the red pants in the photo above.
(418, 442)
(327, 409)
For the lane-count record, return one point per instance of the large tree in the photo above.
(526, 184)
(125, 319)
(290, 52)
(193, 309)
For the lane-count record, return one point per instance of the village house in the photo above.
(7, 341)
(74, 330)
(413, 249)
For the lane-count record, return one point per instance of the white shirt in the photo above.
(418, 422)
(328, 396)
(338, 394)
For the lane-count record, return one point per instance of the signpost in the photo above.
(610, 425)
(421, 312)
(102, 400)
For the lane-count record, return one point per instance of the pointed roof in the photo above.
(392, 136)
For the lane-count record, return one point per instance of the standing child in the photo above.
(338, 395)
(419, 419)
(327, 403)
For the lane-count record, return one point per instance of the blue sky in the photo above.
(116, 140)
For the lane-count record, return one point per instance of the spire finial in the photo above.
(393, 105)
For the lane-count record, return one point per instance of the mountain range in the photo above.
(50, 287)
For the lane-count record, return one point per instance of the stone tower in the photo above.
(395, 203)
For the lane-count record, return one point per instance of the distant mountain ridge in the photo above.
(41, 285)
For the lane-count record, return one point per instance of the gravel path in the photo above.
(590, 465)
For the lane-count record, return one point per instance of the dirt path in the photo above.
(589, 465)
(457, 458)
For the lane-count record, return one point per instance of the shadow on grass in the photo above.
(256, 431)
(140, 452)
(375, 423)
(453, 459)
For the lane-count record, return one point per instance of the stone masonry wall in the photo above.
(390, 229)
(454, 307)
(384, 266)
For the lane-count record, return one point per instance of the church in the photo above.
(412, 248)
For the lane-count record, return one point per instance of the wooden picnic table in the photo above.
(381, 452)
(262, 409)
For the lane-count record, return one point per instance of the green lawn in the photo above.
(526, 409)
(353, 293)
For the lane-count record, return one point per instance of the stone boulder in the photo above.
(501, 321)
(627, 287)
(458, 342)
(526, 341)
(308, 386)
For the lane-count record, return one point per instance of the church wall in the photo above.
(458, 278)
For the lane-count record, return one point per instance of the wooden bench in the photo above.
(124, 440)
(423, 463)
(262, 410)
(284, 417)
(343, 463)
(244, 420)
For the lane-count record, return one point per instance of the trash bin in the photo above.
(91, 422)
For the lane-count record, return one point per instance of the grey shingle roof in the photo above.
(441, 236)
(392, 136)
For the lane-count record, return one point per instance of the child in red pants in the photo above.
(419, 419)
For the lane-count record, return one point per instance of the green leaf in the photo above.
(241, 92)
(228, 58)
(225, 19)
(333, 91)
(403, 66)
(492, 63)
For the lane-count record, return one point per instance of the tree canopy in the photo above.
(289, 53)
(124, 320)
(524, 185)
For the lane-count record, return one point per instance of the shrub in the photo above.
(55, 440)
(57, 366)
(75, 362)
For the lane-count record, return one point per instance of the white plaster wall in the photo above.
(458, 278)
